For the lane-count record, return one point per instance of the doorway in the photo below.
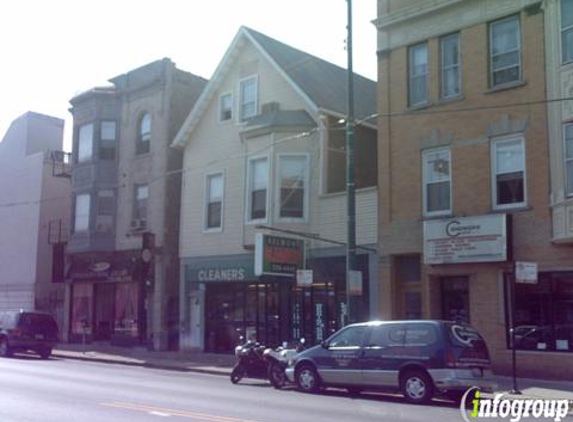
(104, 310)
(455, 299)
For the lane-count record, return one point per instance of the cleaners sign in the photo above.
(277, 255)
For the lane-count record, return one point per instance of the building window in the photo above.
(258, 186)
(437, 182)
(543, 313)
(107, 141)
(505, 51)
(248, 98)
(418, 74)
(568, 135)
(82, 212)
(140, 203)
(144, 136)
(85, 143)
(567, 30)
(450, 66)
(508, 163)
(214, 205)
(105, 211)
(293, 180)
(226, 107)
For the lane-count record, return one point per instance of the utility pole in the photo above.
(350, 188)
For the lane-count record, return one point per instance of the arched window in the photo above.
(144, 134)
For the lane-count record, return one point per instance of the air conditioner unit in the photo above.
(138, 224)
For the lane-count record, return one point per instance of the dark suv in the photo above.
(24, 330)
(418, 358)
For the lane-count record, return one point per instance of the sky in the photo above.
(52, 50)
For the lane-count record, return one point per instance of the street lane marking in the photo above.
(174, 412)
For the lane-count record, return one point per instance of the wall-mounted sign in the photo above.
(277, 255)
(304, 278)
(526, 272)
(468, 239)
(219, 270)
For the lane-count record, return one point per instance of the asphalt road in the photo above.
(34, 390)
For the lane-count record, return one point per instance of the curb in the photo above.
(144, 365)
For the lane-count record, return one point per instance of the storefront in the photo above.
(225, 301)
(106, 298)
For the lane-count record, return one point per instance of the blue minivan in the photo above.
(419, 358)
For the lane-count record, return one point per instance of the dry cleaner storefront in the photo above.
(222, 299)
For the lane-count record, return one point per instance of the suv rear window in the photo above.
(38, 323)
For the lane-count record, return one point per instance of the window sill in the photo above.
(437, 216)
(213, 231)
(505, 87)
(419, 107)
(516, 208)
(450, 100)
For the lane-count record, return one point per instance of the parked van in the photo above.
(21, 331)
(418, 358)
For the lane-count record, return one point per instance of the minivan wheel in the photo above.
(417, 387)
(4, 348)
(307, 379)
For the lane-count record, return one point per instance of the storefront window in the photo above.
(544, 313)
(126, 309)
(82, 309)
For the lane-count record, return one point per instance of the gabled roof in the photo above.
(320, 83)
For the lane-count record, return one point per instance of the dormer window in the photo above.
(144, 136)
(248, 98)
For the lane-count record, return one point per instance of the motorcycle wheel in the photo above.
(276, 374)
(238, 373)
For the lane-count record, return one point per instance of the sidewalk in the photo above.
(218, 364)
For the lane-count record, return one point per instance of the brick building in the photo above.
(464, 175)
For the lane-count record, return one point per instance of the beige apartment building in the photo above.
(466, 186)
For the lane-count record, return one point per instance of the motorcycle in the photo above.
(278, 360)
(251, 362)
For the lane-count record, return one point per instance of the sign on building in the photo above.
(278, 255)
(526, 272)
(465, 240)
(304, 278)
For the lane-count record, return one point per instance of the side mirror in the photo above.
(324, 344)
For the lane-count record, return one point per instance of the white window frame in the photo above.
(248, 209)
(86, 153)
(519, 50)
(223, 95)
(425, 75)
(206, 199)
(444, 68)
(425, 182)
(306, 195)
(562, 30)
(87, 227)
(494, 144)
(136, 191)
(255, 78)
(568, 189)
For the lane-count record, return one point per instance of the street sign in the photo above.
(355, 287)
(304, 278)
(526, 272)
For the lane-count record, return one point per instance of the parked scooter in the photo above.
(278, 360)
(251, 362)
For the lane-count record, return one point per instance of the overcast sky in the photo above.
(53, 49)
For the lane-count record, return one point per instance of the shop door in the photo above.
(196, 307)
(455, 299)
(104, 306)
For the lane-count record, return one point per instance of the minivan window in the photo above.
(350, 337)
(420, 335)
(468, 341)
(387, 335)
